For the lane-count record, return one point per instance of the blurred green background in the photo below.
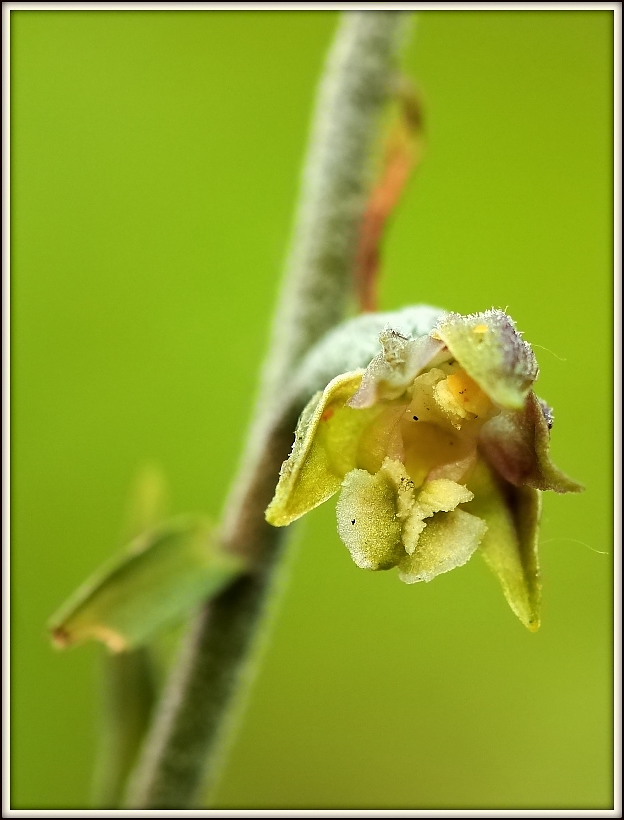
(155, 160)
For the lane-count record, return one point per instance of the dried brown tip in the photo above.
(61, 637)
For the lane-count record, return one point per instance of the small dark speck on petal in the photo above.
(415, 418)
(353, 520)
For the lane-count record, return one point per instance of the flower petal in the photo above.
(492, 352)
(325, 450)
(439, 495)
(517, 444)
(448, 541)
(510, 543)
(368, 523)
(354, 343)
(391, 372)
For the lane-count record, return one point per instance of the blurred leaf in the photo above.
(127, 683)
(127, 693)
(148, 501)
(163, 575)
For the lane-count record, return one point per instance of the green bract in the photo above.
(162, 576)
(438, 446)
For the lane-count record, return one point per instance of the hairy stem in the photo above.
(180, 749)
(335, 186)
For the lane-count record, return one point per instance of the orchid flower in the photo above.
(438, 447)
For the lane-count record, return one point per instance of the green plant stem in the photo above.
(336, 181)
(184, 741)
(189, 726)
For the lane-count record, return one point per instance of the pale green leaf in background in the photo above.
(164, 574)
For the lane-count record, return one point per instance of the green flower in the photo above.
(439, 447)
